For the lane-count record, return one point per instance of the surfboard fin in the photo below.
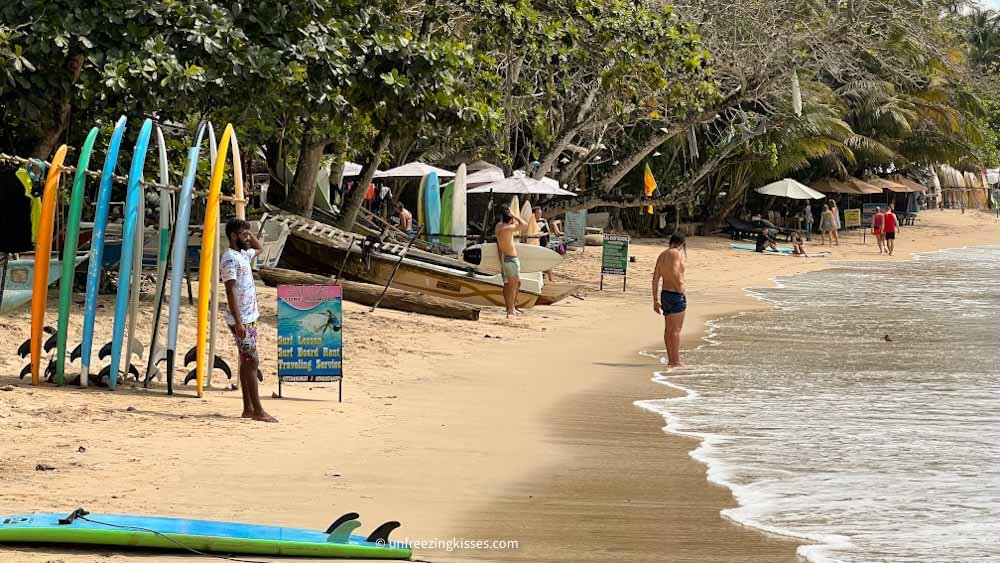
(50, 343)
(24, 371)
(381, 534)
(191, 355)
(24, 349)
(134, 371)
(76, 353)
(344, 518)
(340, 530)
(136, 349)
(105, 351)
(222, 365)
(219, 364)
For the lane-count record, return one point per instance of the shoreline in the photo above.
(523, 430)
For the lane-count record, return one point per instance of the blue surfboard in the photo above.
(97, 251)
(125, 273)
(178, 534)
(179, 253)
(753, 248)
(432, 206)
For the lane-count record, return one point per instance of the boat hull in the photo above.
(305, 254)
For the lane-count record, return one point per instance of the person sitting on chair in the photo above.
(764, 241)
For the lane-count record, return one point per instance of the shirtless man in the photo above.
(671, 302)
(510, 264)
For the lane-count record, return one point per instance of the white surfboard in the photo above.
(533, 258)
(459, 225)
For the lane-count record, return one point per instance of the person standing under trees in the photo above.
(826, 225)
(510, 264)
(809, 221)
(670, 301)
(241, 314)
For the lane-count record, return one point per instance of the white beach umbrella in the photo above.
(485, 176)
(522, 185)
(791, 189)
(352, 169)
(414, 170)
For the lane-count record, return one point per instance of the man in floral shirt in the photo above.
(241, 314)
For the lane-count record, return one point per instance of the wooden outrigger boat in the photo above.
(322, 249)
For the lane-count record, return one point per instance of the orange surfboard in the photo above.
(43, 258)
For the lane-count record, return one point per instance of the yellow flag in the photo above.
(650, 184)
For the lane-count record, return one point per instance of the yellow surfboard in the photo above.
(43, 257)
(207, 270)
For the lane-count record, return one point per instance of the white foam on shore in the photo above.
(879, 453)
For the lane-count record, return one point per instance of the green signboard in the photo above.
(614, 257)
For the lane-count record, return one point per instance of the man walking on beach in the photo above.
(510, 264)
(241, 314)
(878, 226)
(890, 230)
(671, 301)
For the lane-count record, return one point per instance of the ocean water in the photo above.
(866, 449)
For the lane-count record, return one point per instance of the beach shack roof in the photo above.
(913, 186)
(887, 184)
(833, 186)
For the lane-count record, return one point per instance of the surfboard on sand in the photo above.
(133, 202)
(69, 252)
(176, 534)
(179, 252)
(43, 257)
(85, 349)
(533, 258)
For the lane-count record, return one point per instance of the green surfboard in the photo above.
(69, 253)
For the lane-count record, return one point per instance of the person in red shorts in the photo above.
(878, 229)
(891, 224)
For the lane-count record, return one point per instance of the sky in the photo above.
(994, 4)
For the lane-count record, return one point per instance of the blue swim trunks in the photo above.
(511, 267)
(672, 302)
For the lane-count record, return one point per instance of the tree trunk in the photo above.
(48, 138)
(353, 201)
(303, 190)
(368, 294)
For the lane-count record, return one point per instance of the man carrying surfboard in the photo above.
(671, 301)
(510, 264)
(241, 314)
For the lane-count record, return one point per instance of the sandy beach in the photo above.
(492, 431)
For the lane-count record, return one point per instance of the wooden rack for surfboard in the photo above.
(13, 159)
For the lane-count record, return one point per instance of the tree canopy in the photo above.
(585, 91)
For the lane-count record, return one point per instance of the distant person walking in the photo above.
(836, 221)
(510, 264)
(809, 221)
(891, 225)
(241, 314)
(826, 225)
(670, 300)
(878, 229)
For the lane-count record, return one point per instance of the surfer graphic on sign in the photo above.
(320, 322)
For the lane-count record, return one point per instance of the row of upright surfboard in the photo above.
(172, 227)
(443, 210)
